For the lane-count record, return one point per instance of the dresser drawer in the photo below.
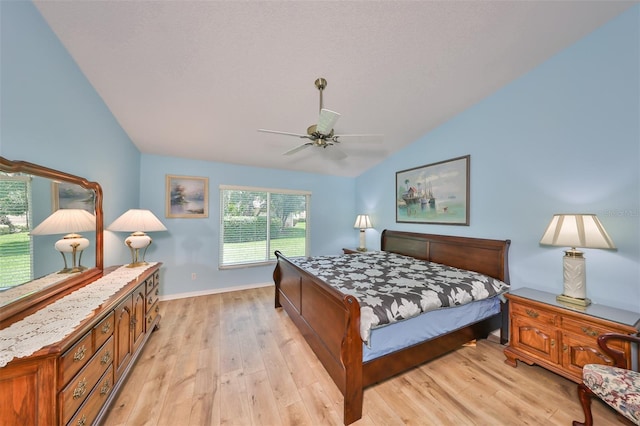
(103, 330)
(534, 314)
(152, 298)
(96, 399)
(81, 385)
(75, 358)
(152, 314)
(150, 283)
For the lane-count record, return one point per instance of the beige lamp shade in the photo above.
(362, 222)
(137, 220)
(576, 230)
(66, 221)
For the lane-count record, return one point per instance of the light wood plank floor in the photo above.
(233, 359)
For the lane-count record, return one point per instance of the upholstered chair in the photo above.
(617, 385)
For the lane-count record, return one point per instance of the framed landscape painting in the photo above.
(436, 193)
(66, 195)
(187, 197)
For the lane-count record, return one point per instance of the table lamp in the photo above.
(138, 222)
(575, 230)
(363, 222)
(70, 222)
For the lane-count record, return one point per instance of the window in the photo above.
(256, 222)
(15, 221)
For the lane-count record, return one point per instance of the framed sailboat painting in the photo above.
(436, 193)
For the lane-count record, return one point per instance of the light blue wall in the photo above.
(563, 138)
(191, 245)
(51, 115)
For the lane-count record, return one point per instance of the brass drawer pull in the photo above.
(589, 331)
(565, 347)
(157, 308)
(79, 355)
(106, 327)
(149, 320)
(82, 420)
(157, 291)
(105, 387)
(106, 358)
(553, 343)
(80, 390)
(532, 313)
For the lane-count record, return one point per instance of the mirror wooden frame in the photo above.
(31, 303)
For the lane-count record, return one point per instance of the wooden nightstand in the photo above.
(562, 338)
(351, 251)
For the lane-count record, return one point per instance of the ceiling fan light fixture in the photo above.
(326, 121)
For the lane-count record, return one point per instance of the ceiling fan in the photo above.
(321, 134)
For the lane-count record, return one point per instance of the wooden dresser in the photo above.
(562, 338)
(73, 381)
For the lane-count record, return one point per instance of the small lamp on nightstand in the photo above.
(576, 230)
(363, 222)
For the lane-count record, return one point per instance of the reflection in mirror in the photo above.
(29, 264)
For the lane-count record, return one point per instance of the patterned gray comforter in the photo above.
(391, 287)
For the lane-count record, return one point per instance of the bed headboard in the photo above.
(488, 257)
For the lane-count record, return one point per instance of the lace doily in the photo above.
(23, 290)
(57, 320)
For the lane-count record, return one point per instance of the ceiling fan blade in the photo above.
(326, 121)
(334, 153)
(283, 133)
(298, 148)
(373, 138)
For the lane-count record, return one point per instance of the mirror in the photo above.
(34, 193)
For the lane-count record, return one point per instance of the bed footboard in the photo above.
(330, 323)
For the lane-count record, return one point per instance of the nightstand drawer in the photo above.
(586, 329)
(537, 315)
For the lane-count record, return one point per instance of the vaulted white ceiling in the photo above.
(196, 79)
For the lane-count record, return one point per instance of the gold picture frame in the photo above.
(187, 197)
(436, 193)
(65, 195)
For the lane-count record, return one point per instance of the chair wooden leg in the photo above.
(584, 394)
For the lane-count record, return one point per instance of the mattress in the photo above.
(402, 334)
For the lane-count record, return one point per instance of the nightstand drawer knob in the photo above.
(532, 313)
(553, 343)
(589, 331)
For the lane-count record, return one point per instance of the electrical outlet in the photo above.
(193, 276)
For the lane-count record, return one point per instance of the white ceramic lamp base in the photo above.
(135, 242)
(74, 244)
(575, 279)
(362, 241)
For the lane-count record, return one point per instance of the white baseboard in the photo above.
(213, 291)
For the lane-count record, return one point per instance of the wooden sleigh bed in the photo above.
(330, 320)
